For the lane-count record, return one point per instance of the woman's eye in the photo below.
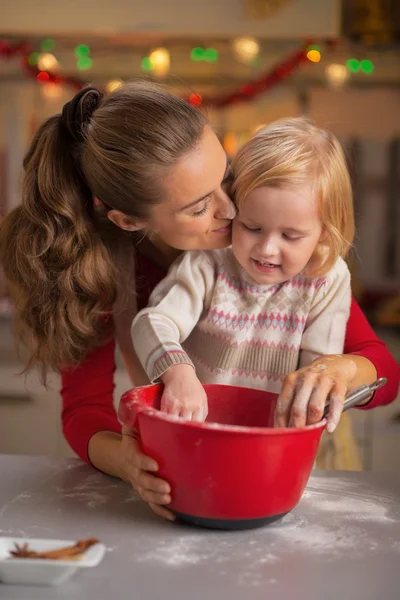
(290, 238)
(201, 211)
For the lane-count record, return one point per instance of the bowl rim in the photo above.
(143, 409)
(223, 428)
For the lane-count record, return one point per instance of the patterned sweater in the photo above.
(209, 313)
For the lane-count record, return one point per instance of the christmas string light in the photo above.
(246, 49)
(246, 92)
(204, 54)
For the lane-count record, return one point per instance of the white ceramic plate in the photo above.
(33, 571)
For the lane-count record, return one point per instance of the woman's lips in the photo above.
(223, 230)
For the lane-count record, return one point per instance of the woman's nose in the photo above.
(225, 207)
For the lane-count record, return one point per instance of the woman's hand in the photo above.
(305, 392)
(139, 470)
(183, 395)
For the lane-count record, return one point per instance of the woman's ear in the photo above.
(324, 236)
(125, 222)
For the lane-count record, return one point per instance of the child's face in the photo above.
(276, 232)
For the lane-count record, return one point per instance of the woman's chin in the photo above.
(222, 244)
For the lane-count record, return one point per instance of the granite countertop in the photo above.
(342, 540)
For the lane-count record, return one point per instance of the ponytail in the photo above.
(65, 262)
(60, 273)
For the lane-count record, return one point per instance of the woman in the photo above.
(139, 169)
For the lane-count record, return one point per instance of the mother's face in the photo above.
(197, 212)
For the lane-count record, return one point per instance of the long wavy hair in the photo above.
(60, 254)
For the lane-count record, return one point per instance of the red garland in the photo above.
(246, 92)
(250, 90)
(23, 50)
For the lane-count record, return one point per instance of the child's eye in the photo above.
(291, 238)
(252, 229)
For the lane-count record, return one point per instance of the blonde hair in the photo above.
(288, 153)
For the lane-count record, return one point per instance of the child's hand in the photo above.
(184, 395)
(304, 393)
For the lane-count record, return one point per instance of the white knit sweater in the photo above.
(209, 313)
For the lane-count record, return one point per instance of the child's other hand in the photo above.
(305, 392)
(184, 396)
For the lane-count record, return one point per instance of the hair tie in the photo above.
(77, 113)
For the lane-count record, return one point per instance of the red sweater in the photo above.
(87, 391)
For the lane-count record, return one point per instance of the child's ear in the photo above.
(126, 222)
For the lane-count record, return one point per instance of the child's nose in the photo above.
(269, 248)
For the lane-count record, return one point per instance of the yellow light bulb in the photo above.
(48, 62)
(113, 85)
(160, 61)
(314, 56)
(336, 74)
(246, 49)
(52, 91)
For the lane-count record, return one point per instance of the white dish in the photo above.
(37, 571)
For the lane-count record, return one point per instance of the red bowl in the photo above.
(234, 471)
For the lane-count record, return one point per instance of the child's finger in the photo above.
(200, 414)
(186, 413)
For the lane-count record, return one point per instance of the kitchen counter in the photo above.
(342, 540)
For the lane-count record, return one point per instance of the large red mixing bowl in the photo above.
(234, 471)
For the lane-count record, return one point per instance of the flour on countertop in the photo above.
(93, 491)
(341, 497)
(345, 522)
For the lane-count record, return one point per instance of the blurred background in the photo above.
(247, 63)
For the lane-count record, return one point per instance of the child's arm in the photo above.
(158, 331)
(305, 391)
(325, 329)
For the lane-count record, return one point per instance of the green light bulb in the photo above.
(197, 54)
(47, 45)
(82, 50)
(146, 64)
(84, 63)
(366, 66)
(33, 58)
(353, 65)
(211, 55)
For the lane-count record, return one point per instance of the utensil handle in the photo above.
(359, 395)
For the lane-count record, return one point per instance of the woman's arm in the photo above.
(372, 358)
(305, 392)
(87, 396)
(92, 429)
